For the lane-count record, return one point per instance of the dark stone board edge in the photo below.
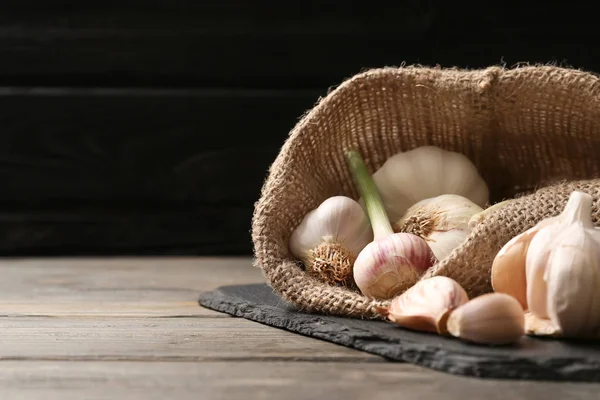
(335, 330)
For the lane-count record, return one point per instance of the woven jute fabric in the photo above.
(533, 133)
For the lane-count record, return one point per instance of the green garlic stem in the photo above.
(368, 190)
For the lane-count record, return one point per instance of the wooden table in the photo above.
(132, 328)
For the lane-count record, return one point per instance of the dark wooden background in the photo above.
(147, 126)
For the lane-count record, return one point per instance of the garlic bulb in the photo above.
(508, 267)
(565, 250)
(392, 262)
(443, 221)
(563, 270)
(427, 304)
(425, 172)
(329, 239)
(492, 318)
(387, 266)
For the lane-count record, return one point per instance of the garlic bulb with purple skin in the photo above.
(392, 262)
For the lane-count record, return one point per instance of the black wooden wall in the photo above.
(147, 126)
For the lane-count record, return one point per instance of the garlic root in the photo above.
(492, 318)
(442, 221)
(329, 238)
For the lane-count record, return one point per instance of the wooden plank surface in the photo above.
(263, 380)
(131, 328)
(117, 287)
(151, 339)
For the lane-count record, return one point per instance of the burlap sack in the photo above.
(525, 129)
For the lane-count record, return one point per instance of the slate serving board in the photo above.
(530, 359)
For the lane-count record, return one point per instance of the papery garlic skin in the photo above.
(426, 305)
(576, 217)
(572, 274)
(509, 266)
(424, 172)
(387, 266)
(443, 221)
(492, 318)
(338, 226)
(535, 268)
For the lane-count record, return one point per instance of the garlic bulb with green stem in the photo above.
(330, 237)
(443, 221)
(563, 270)
(425, 172)
(392, 262)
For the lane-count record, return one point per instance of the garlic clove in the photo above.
(330, 237)
(493, 318)
(563, 270)
(573, 281)
(535, 326)
(536, 262)
(443, 221)
(426, 305)
(388, 266)
(509, 266)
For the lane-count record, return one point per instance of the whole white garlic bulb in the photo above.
(329, 239)
(424, 172)
(443, 221)
(563, 270)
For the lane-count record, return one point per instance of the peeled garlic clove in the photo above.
(329, 239)
(443, 221)
(493, 318)
(425, 172)
(426, 305)
(387, 266)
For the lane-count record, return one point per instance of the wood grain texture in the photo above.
(141, 147)
(157, 347)
(151, 339)
(137, 171)
(208, 43)
(117, 287)
(299, 44)
(263, 380)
